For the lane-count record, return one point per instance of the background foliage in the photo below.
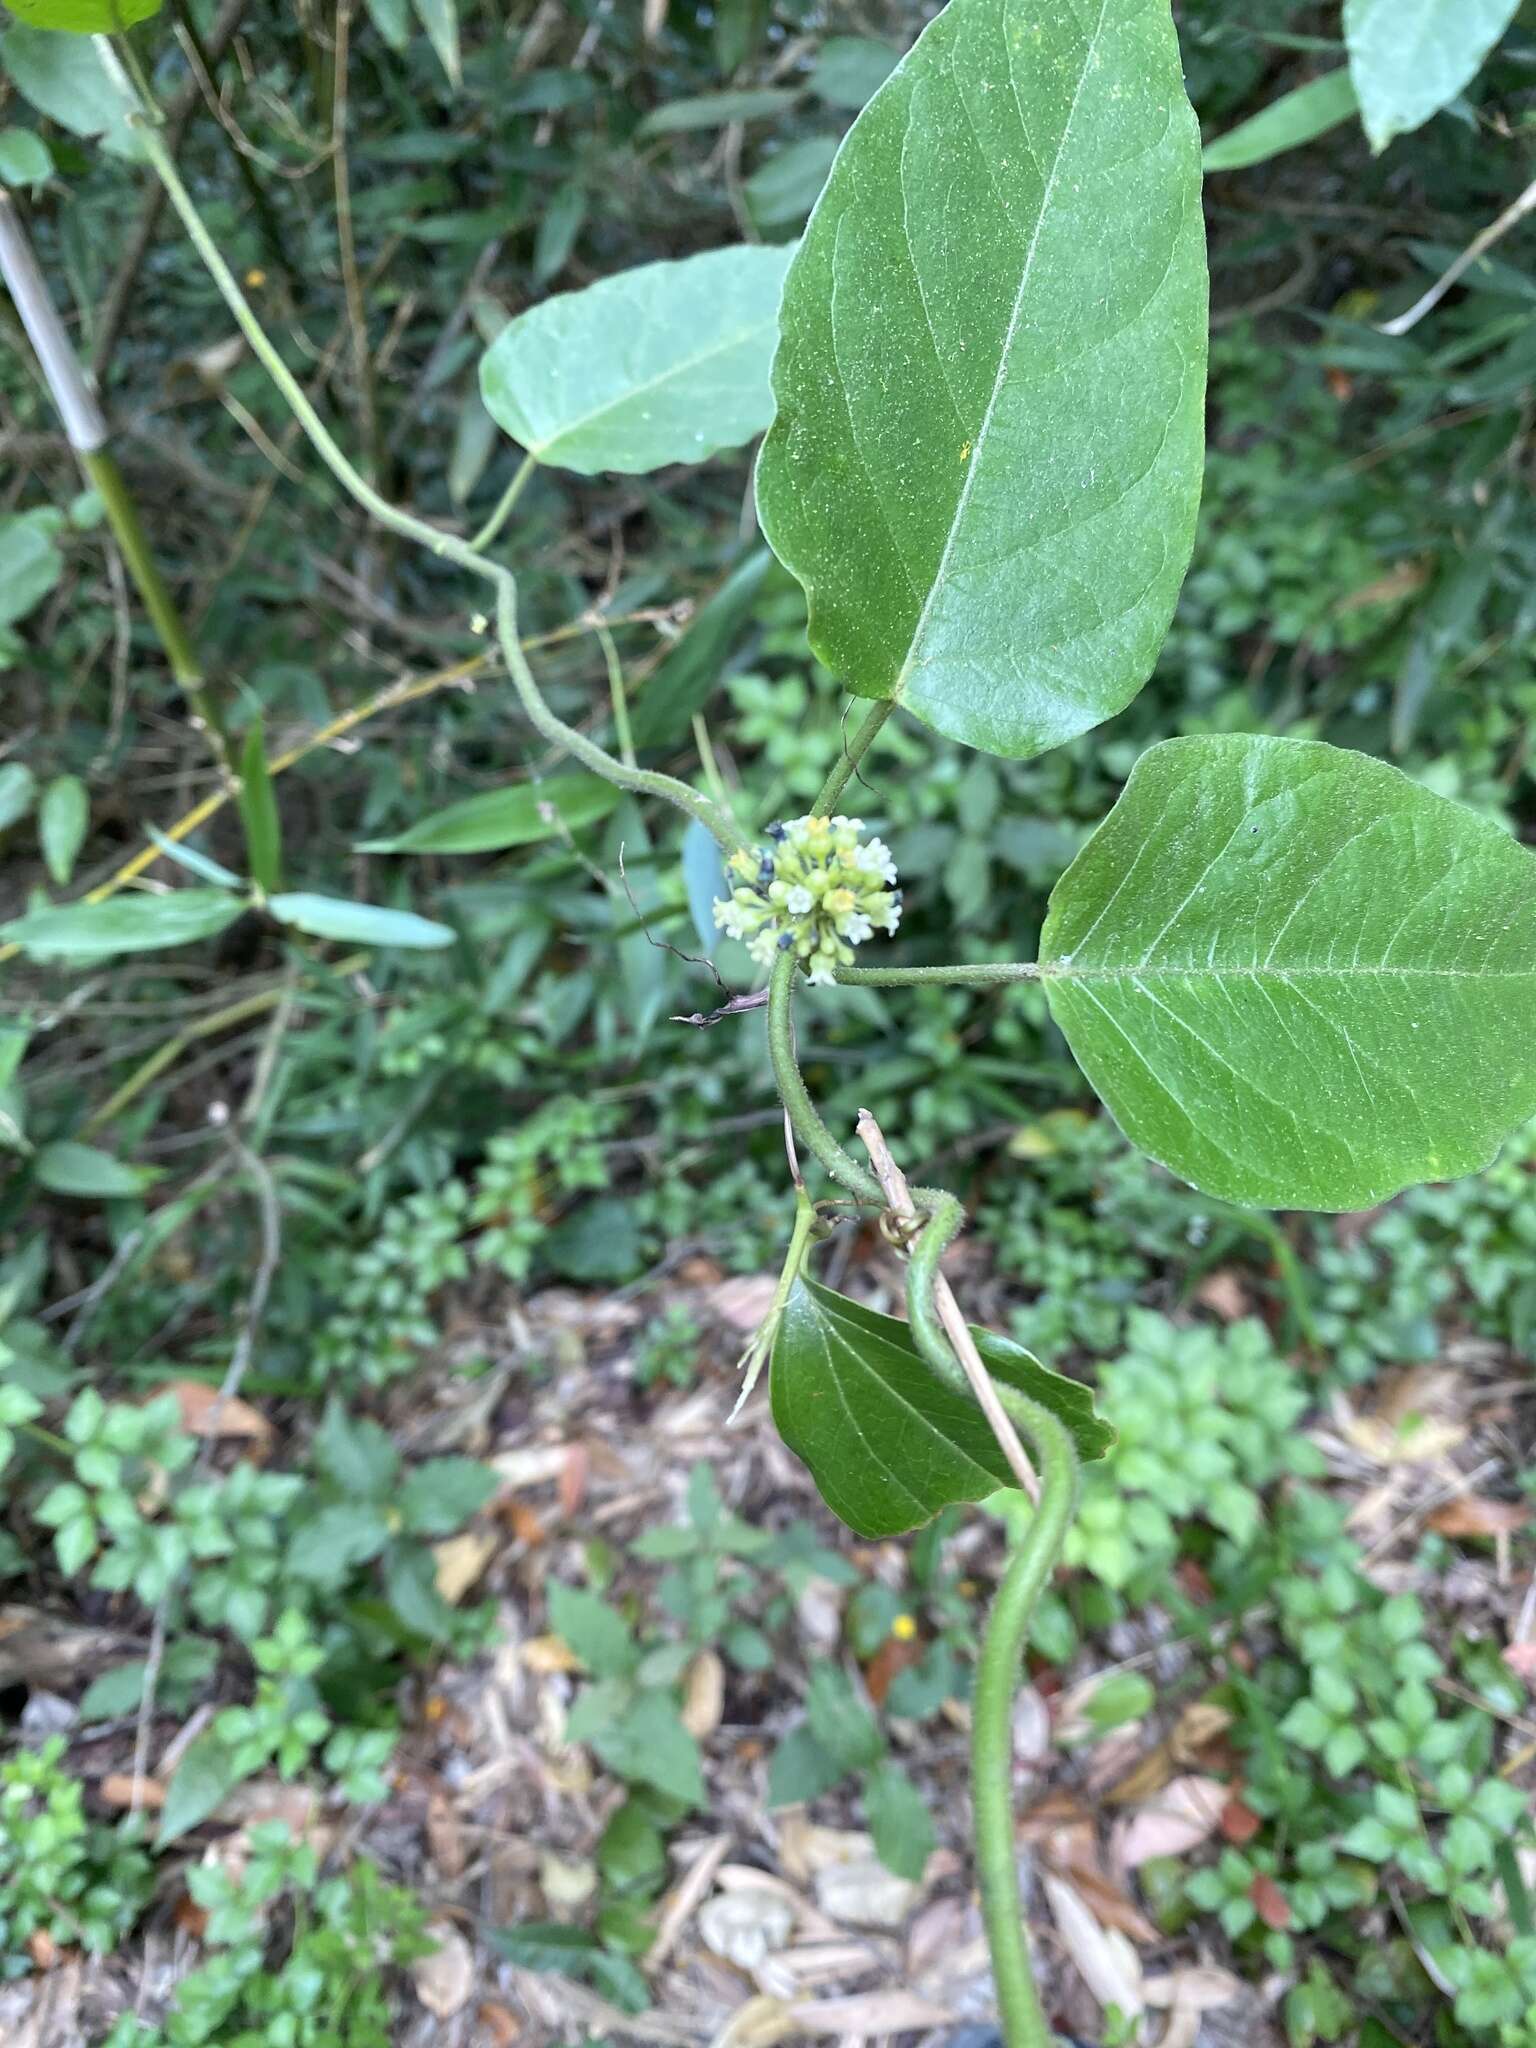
(339, 1166)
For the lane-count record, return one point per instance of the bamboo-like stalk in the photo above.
(85, 427)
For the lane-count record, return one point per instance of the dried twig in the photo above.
(899, 1198)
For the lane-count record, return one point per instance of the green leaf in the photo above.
(126, 924)
(410, 1581)
(18, 792)
(900, 1821)
(62, 819)
(188, 857)
(559, 225)
(850, 69)
(205, 1774)
(326, 1548)
(801, 1769)
(360, 924)
(258, 813)
(440, 19)
(30, 562)
(1410, 58)
(593, 1631)
(68, 1168)
(25, 159)
(83, 17)
(114, 1693)
(666, 363)
(650, 1746)
(1297, 978)
(355, 1452)
(692, 669)
(785, 186)
(66, 80)
(840, 1721)
(887, 1443)
(392, 20)
(441, 1495)
(715, 110)
(499, 818)
(1296, 117)
(985, 466)
(549, 1946)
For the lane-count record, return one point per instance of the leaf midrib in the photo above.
(1005, 354)
(1061, 970)
(635, 391)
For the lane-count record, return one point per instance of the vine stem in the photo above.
(981, 974)
(721, 826)
(946, 1343)
(936, 1297)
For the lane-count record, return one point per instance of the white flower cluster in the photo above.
(819, 890)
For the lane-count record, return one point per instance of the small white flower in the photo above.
(800, 902)
(855, 928)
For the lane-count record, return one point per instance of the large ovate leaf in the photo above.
(887, 1442)
(1297, 978)
(985, 466)
(83, 17)
(665, 363)
(499, 818)
(1410, 58)
(64, 78)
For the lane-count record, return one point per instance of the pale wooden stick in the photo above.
(899, 1200)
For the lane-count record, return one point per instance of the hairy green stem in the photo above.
(997, 1678)
(642, 782)
(852, 754)
(1002, 1654)
(803, 1114)
(983, 974)
(504, 505)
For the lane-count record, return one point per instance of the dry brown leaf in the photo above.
(1472, 1515)
(1104, 1959)
(203, 1413)
(1225, 1295)
(746, 1927)
(896, 1654)
(445, 1838)
(761, 2023)
(565, 1883)
(443, 1980)
(1270, 1903)
(1185, 1813)
(524, 1523)
(547, 1655)
(530, 1464)
(499, 2025)
(461, 1560)
(864, 1893)
(572, 1485)
(1239, 1823)
(117, 1788)
(43, 1949)
(1200, 1985)
(703, 1695)
(870, 2013)
(1109, 1904)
